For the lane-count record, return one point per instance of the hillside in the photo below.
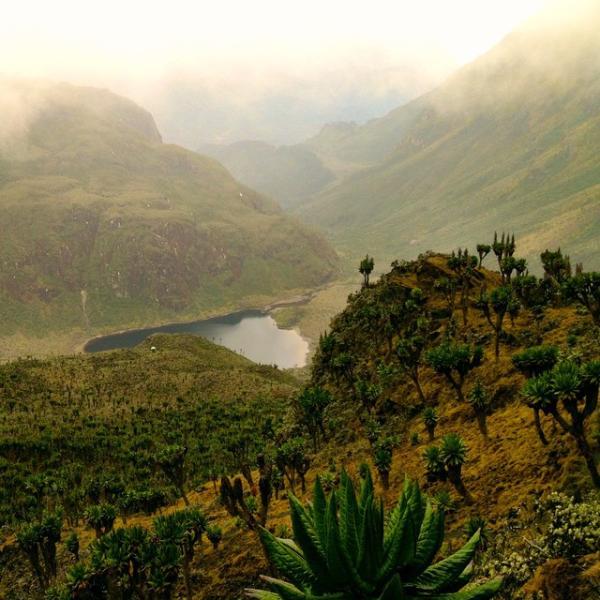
(105, 227)
(510, 141)
(128, 404)
(288, 174)
(95, 410)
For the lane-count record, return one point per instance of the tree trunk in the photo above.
(187, 578)
(456, 480)
(482, 423)
(185, 498)
(431, 432)
(538, 426)
(247, 473)
(497, 345)
(458, 388)
(415, 378)
(385, 479)
(588, 455)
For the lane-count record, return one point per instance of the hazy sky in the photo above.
(143, 38)
(330, 58)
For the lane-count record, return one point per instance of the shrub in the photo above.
(535, 360)
(101, 517)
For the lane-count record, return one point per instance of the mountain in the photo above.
(511, 141)
(289, 174)
(104, 226)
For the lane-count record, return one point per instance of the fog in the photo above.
(277, 71)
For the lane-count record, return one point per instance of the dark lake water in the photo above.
(251, 333)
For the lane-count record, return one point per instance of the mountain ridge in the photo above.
(508, 141)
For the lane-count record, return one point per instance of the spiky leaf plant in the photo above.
(430, 419)
(536, 360)
(453, 453)
(345, 549)
(478, 523)
(434, 464)
(479, 399)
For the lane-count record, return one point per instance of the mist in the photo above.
(275, 71)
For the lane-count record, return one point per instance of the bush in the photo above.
(535, 360)
(570, 530)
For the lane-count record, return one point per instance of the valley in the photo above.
(510, 141)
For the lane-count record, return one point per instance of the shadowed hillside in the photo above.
(288, 174)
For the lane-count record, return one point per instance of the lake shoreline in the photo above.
(267, 309)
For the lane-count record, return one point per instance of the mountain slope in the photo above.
(289, 174)
(104, 226)
(511, 141)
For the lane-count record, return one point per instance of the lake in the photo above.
(252, 333)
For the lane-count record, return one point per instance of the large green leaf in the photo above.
(306, 537)
(393, 520)
(401, 547)
(319, 506)
(430, 539)
(349, 519)
(443, 573)
(414, 499)
(262, 595)
(366, 491)
(481, 592)
(338, 573)
(461, 581)
(286, 559)
(371, 545)
(393, 590)
(286, 591)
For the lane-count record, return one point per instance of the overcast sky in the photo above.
(373, 54)
(69, 38)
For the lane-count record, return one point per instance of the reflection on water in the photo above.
(250, 333)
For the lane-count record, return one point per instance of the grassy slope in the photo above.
(511, 141)
(95, 207)
(134, 392)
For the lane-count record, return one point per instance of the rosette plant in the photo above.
(345, 548)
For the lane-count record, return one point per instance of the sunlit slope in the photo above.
(512, 141)
(105, 226)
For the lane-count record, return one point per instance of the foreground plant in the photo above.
(345, 549)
